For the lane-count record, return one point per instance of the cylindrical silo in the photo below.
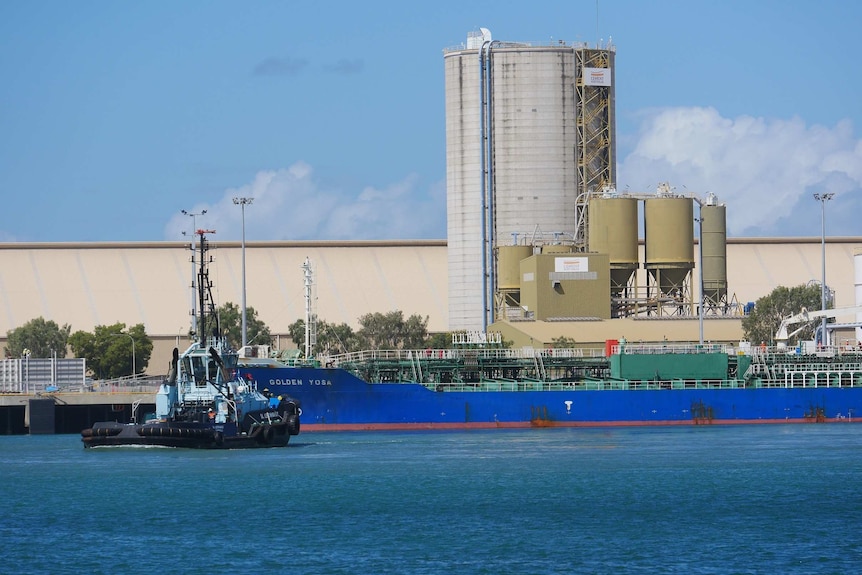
(511, 153)
(613, 230)
(669, 235)
(464, 187)
(857, 269)
(714, 235)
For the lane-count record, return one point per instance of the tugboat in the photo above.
(204, 403)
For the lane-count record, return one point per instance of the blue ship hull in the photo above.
(335, 399)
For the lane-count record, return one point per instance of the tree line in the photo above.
(376, 331)
(112, 350)
(115, 350)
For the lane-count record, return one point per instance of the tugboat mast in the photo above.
(204, 287)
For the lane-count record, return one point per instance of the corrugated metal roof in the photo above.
(85, 285)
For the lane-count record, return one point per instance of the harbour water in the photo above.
(709, 499)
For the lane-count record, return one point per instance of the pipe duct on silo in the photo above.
(613, 230)
(857, 268)
(714, 252)
(669, 234)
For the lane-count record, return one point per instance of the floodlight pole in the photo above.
(823, 198)
(700, 275)
(699, 220)
(243, 202)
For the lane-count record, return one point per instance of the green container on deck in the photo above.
(665, 366)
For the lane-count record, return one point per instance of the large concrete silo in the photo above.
(857, 271)
(511, 157)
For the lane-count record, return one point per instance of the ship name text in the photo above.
(300, 381)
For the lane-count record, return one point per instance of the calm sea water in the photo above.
(736, 499)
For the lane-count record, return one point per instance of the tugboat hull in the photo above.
(189, 436)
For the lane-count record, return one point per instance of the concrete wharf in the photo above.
(49, 407)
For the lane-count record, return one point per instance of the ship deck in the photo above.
(525, 369)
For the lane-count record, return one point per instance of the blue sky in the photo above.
(114, 116)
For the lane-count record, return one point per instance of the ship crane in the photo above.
(803, 317)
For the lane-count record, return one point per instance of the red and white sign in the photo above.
(572, 264)
(597, 76)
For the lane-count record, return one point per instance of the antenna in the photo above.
(598, 42)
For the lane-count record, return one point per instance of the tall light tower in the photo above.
(243, 202)
(193, 216)
(823, 198)
(699, 220)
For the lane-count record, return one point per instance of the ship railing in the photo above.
(138, 384)
(670, 347)
(368, 356)
(839, 374)
(587, 385)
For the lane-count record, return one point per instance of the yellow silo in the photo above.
(669, 235)
(714, 218)
(613, 230)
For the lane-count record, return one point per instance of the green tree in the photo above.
(42, 338)
(109, 350)
(332, 339)
(296, 331)
(391, 331)
(377, 331)
(230, 322)
(763, 321)
(439, 340)
(564, 342)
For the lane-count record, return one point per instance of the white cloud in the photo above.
(289, 204)
(765, 170)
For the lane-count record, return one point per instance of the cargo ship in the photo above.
(622, 385)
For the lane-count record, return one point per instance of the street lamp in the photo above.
(193, 216)
(823, 198)
(699, 220)
(133, 348)
(243, 202)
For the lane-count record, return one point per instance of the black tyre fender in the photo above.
(268, 433)
(293, 424)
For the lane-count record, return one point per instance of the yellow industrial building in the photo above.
(90, 284)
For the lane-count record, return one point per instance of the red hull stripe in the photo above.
(547, 424)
